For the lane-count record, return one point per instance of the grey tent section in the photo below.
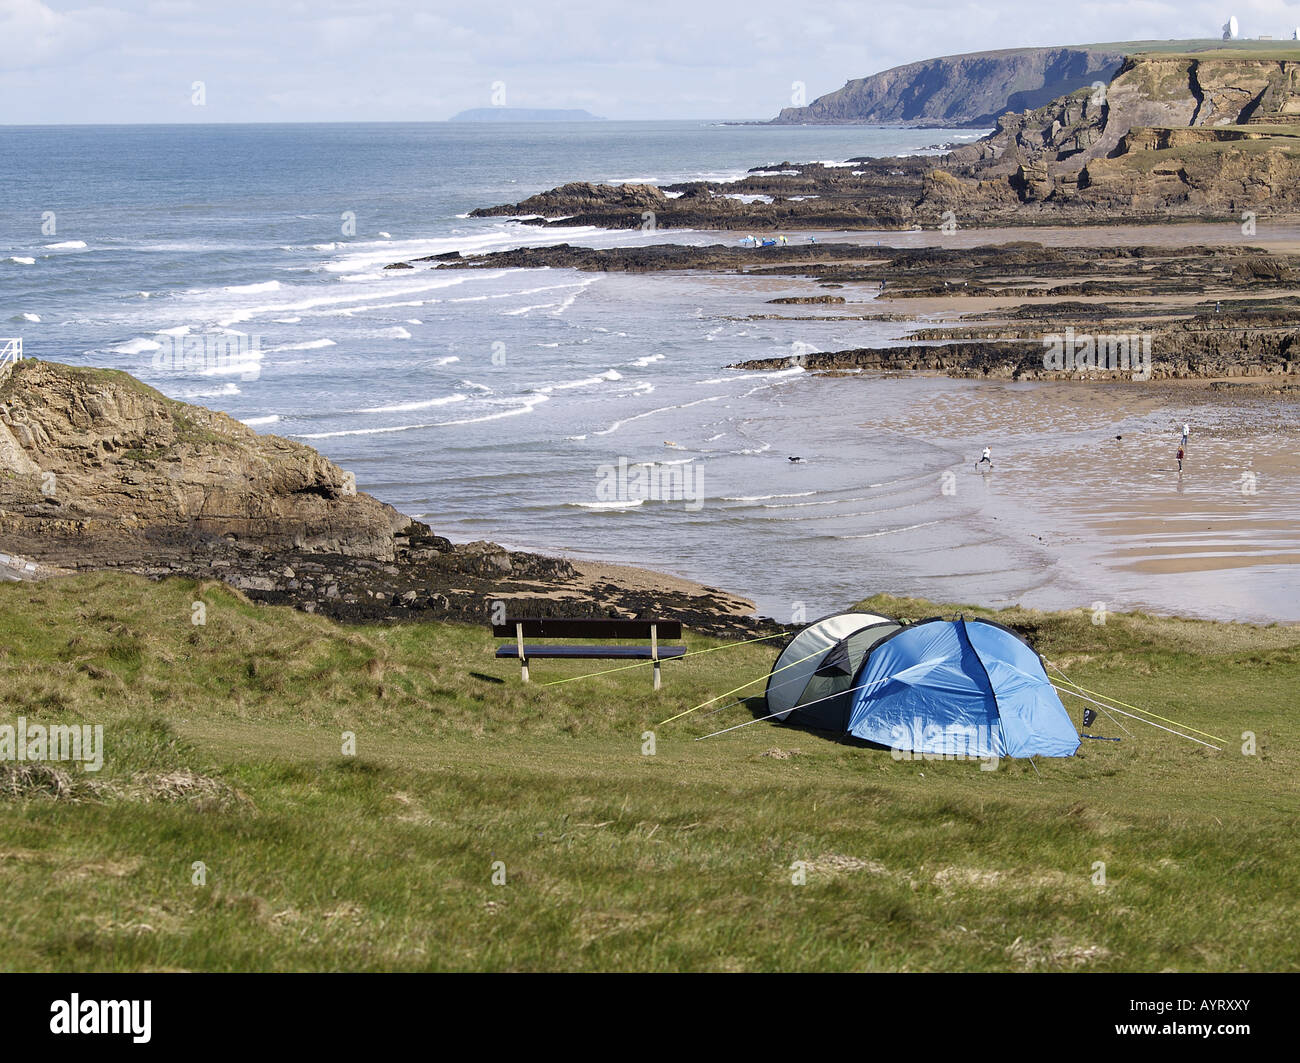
(820, 663)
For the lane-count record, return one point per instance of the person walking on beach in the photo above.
(1186, 432)
(1180, 457)
(986, 458)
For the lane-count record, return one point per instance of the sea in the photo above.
(241, 267)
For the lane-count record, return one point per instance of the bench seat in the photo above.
(628, 653)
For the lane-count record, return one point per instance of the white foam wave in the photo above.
(137, 346)
(253, 289)
(889, 531)
(306, 345)
(407, 407)
(651, 413)
(585, 382)
(526, 405)
(606, 507)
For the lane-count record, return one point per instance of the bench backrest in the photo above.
(547, 627)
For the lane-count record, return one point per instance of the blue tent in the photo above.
(950, 687)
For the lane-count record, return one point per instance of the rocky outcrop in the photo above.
(1177, 353)
(95, 465)
(1171, 135)
(1207, 134)
(960, 90)
(582, 197)
(99, 471)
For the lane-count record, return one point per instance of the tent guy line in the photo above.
(1063, 690)
(1135, 708)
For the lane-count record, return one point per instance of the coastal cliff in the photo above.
(958, 91)
(1211, 134)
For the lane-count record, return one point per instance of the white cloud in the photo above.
(35, 35)
(405, 60)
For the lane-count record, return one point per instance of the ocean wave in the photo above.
(585, 382)
(257, 422)
(650, 359)
(889, 531)
(526, 309)
(136, 346)
(606, 507)
(526, 405)
(67, 245)
(315, 302)
(394, 333)
(30, 318)
(253, 289)
(420, 404)
(764, 498)
(363, 431)
(306, 345)
(348, 311)
(650, 413)
(21, 260)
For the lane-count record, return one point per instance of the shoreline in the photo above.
(463, 576)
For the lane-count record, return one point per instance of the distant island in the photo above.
(523, 114)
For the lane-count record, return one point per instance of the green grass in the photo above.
(224, 746)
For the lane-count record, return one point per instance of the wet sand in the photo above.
(1117, 522)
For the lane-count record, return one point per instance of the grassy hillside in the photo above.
(224, 746)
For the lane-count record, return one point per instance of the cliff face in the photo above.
(1210, 134)
(95, 466)
(959, 90)
(1173, 135)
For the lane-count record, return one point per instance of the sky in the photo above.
(127, 61)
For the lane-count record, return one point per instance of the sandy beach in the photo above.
(1087, 471)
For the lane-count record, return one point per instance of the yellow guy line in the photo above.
(1126, 705)
(741, 687)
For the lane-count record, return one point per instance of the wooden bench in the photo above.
(521, 628)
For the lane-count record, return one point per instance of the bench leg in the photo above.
(656, 675)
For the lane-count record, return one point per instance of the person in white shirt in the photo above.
(986, 458)
(1186, 431)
